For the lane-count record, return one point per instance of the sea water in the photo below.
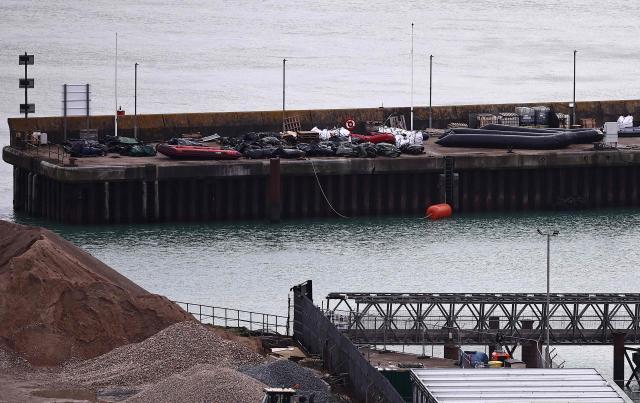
(227, 56)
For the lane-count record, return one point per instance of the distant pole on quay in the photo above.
(430, 87)
(412, 76)
(284, 63)
(548, 304)
(116, 90)
(135, 101)
(574, 86)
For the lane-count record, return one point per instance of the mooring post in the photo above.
(618, 358)
(274, 194)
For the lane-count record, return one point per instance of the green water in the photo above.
(252, 265)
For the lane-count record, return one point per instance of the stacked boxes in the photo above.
(588, 123)
(543, 114)
(484, 119)
(456, 125)
(509, 119)
(563, 120)
(526, 115)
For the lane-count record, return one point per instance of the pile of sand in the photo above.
(58, 302)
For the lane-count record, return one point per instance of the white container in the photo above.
(43, 138)
(611, 134)
(611, 128)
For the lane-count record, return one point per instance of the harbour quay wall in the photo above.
(120, 190)
(160, 127)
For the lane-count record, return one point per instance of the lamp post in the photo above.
(546, 324)
(430, 87)
(135, 101)
(574, 86)
(115, 123)
(284, 62)
(412, 76)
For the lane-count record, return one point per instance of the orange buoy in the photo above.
(438, 211)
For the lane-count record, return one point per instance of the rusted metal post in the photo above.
(494, 324)
(274, 194)
(530, 353)
(618, 358)
(451, 350)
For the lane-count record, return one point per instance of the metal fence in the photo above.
(229, 317)
(340, 356)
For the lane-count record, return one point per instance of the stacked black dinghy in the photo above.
(500, 136)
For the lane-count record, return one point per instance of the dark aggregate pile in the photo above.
(285, 373)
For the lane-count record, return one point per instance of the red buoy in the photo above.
(438, 211)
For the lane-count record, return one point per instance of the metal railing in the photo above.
(573, 318)
(432, 333)
(259, 322)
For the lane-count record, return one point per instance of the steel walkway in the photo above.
(417, 318)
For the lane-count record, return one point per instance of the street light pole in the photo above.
(116, 90)
(135, 101)
(284, 62)
(430, 87)
(412, 76)
(574, 86)
(548, 303)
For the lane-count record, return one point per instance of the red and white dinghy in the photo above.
(197, 152)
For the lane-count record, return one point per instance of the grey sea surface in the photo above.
(227, 56)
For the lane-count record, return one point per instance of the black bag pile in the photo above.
(84, 148)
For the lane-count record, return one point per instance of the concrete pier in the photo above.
(157, 189)
(115, 189)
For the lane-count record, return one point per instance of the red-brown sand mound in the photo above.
(58, 302)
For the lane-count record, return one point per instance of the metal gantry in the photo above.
(418, 318)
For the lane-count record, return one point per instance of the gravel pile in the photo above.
(11, 361)
(204, 383)
(170, 351)
(285, 373)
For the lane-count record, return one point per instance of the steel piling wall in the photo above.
(299, 196)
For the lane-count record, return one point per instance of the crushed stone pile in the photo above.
(285, 373)
(204, 383)
(57, 302)
(10, 361)
(169, 352)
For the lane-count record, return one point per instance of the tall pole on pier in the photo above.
(284, 63)
(26, 98)
(135, 101)
(548, 303)
(116, 89)
(412, 76)
(430, 87)
(574, 86)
